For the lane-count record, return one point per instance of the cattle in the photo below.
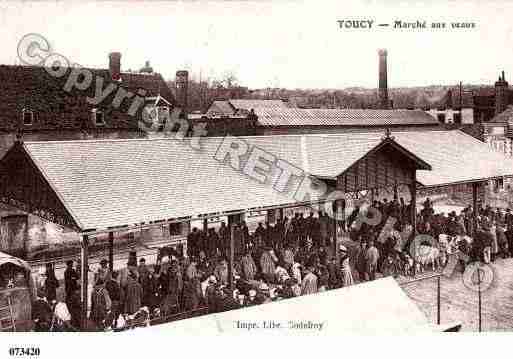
(427, 255)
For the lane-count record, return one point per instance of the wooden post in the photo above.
(479, 294)
(232, 256)
(413, 205)
(84, 262)
(111, 252)
(438, 300)
(474, 207)
(335, 225)
(205, 225)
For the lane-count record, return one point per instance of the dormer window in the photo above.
(98, 117)
(27, 117)
(162, 114)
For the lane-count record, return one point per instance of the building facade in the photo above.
(65, 104)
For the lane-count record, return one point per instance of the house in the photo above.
(39, 106)
(236, 107)
(456, 106)
(498, 132)
(56, 104)
(489, 102)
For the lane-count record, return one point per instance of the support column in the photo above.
(205, 225)
(413, 205)
(281, 213)
(84, 262)
(336, 216)
(111, 251)
(475, 187)
(232, 257)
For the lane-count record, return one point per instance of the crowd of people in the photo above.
(294, 257)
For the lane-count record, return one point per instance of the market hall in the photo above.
(105, 186)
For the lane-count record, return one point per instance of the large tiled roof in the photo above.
(342, 117)
(455, 157)
(107, 183)
(31, 87)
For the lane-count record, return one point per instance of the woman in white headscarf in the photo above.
(345, 268)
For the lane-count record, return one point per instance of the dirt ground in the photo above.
(459, 303)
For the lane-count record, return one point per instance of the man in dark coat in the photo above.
(70, 280)
(508, 218)
(193, 245)
(41, 313)
(51, 284)
(224, 238)
(212, 242)
(260, 232)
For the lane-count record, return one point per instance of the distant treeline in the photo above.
(202, 94)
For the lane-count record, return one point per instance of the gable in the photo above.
(24, 186)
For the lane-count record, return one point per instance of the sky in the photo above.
(289, 44)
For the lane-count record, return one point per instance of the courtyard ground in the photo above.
(460, 304)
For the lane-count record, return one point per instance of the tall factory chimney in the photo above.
(115, 65)
(383, 85)
(501, 94)
(182, 84)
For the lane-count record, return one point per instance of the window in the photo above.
(441, 117)
(28, 117)
(98, 117)
(175, 229)
(162, 114)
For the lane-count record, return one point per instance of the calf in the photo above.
(427, 255)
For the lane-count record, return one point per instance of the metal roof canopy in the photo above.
(61, 181)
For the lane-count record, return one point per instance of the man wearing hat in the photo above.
(103, 271)
(41, 312)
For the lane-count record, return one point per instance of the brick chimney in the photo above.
(501, 94)
(383, 84)
(182, 84)
(115, 65)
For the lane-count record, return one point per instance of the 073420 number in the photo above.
(24, 351)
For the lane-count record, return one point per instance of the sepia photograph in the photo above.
(235, 167)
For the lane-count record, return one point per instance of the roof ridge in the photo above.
(377, 134)
(82, 67)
